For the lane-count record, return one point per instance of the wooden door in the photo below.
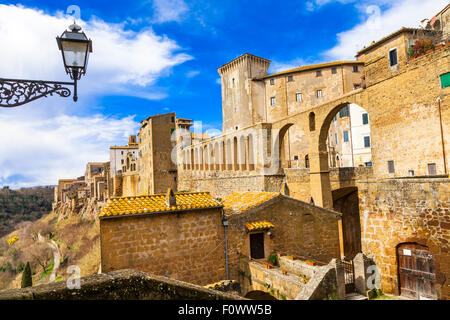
(416, 271)
(257, 245)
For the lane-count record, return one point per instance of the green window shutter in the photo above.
(445, 80)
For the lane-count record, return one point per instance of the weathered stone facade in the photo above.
(410, 210)
(184, 245)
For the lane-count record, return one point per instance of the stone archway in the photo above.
(346, 201)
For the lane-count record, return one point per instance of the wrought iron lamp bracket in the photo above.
(16, 92)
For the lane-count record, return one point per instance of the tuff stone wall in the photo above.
(300, 229)
(185, 246)
(299, 184)
(130, 184)
(406, 210)
(223, 183)
(119, 285)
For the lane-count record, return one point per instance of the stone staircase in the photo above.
(355, 296)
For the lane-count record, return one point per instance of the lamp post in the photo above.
(75, 48)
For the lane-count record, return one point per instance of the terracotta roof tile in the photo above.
(262, 225)
(239, 202)
(157, 203)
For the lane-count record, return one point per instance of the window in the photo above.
(356, 86)
(272, 82)
(445, 80)
(365, 118)
(411, 173)
(298, 97)
(343, 112)
(345, 136)
(295, 157)
(257, 245)
(318, 73)
(335, 139)
(355, 69)
(122, 161)
(391, 168)
(431, 169)
(333, 70)
(121, 152)
(172, 131)
(237, 128)
(393, 57)
(235, 109)
(307, 161)
(172, 119)
(290, 78)
(368, 164)
(366, 142)
(273, 101)
(319, 94)
(335, 117)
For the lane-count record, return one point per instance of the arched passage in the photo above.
(293, 145)
(348, 140)
(346, 201)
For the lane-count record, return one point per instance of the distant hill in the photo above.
(26, 204)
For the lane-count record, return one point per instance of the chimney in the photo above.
(171, 200)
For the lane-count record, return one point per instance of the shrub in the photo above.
(27, 281)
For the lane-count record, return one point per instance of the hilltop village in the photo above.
(324, 176)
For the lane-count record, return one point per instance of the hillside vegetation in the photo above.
(71, 237)
(26, 204)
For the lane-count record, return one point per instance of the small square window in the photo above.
(356, 86)
(295, 157)
(318, 73)
(391, 168)
(272, 82)
(345, 136)
(445, 80)
(273, 101)
(333, 70)
(290, 78)
(393, 57)
(366, 142)
(431, 169)
(298, 97)
(355, 69)
(411, 173)
(365, 118)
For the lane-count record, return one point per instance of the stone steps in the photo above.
(355, 296)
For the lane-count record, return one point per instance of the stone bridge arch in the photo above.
(315, 123)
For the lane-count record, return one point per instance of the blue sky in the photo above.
(158, 56)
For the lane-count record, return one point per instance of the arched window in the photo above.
(307, 161)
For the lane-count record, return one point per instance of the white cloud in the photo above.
(120, 57)
(54, 138)
(378, 24)
(40, 150)
(192, 73)
(169, 10)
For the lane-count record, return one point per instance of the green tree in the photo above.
(27, 281)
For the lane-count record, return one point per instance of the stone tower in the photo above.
(243, 98)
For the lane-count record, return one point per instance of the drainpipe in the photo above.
(442, 134)
(225, 225)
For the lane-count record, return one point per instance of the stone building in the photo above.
(175, 235)
(265, 223)
(157, 162)
(405, 92)
(118, 154)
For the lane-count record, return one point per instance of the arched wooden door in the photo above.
(416, 271)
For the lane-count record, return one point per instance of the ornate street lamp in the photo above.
(75, 48)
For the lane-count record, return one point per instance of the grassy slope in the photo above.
(77, 239)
